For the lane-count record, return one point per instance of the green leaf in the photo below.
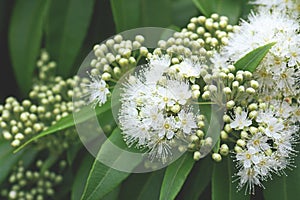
(284, 187)
(25, 34)
(252, 59)
(198, 179)
(66, 28)
(7, 159)
(231, 8)
(138, 13)
(73, 151)
(66, 122)
(151, 188)
(223, 187)
(187, 10)
(175, 176)
(81, 177)
(103, 179)
(113, 195)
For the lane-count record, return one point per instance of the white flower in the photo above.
(179, 90)
(146, 117)
(249, 177)
(240, 121)
(97, 91)
(167, 128)
(248, 157)
(282, 109)
(188, 69)
(274, 128)
(186, 121)
(264, 116)
(284, 6)
(156, 68)
(263, 28)
(259, 142)
(152, 115)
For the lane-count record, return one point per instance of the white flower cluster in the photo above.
(268, 143)
(280, 67)
(96, 90)
(290, 7)
(155, 109)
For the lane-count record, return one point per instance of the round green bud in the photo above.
(123, 62)
(19, 136)
(216, 157)
(227, 90)
(13, 194)
(208, 141)
(197, 155)
(176, 108)
(253, 106)
(230, 104)
(118, 38)
(228, 128)
(201, 19)
(238, 149)
(253, 130)
(254, 84)
(191, 26)
(195, 94)
(144, 51)
(241, 142)
(194, 138)
(226, 118)
(224, 150)
(244, 135)
(201, 124)
(200, 133)
(250, 90)
(224, 135)
(106, 76)
(140, 38)
(206, 95)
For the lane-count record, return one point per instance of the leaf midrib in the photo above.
(174, 177)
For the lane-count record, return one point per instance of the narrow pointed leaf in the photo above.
(230, 8)
(175, 176)
(152, 186)
(25, 35)
(7, 159)
(103, 179)
(67, 25)
(223, 187)
(252, 59)
(66, 122)
(198, 179)
(81, 177)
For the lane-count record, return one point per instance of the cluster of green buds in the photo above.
(116, 56)
(49, 100)
(229, 90)
(201, 36)
(32, 184)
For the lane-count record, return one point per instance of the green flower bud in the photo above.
(224, 150)
(197, 155)
(216, 157)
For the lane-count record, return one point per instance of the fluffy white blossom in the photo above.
(240, 121)
(97, 91)
(270, 150)
(280, 68)
(155, 109)
(290, 7)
